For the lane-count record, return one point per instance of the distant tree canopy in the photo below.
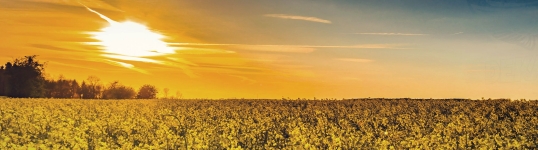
(91, 89)
(24, 78)
(62, 88)
(147, 92)
(118, 91)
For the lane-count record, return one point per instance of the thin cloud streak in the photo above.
(194, 50)
(100, 15)
(130, 58)
(71, 65)
(125, 65)
(304, 18)
(355, 60)
(90, 3)
(172, 62)
(58, 49)
(289, 49)
(244, 79)
(456, 33)
(292, 48)
(400, 34)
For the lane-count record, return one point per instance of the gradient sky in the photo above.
(282, 48)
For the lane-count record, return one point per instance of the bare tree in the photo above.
(94, 89)
(166, 90)
(179, 95)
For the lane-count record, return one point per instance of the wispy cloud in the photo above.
(77, 49)
(125, 65)
(456, 33)
(181, 60)
(304, 18)
(196, 50)
(400, 34)
(130, 58)
(239, 68)
(291, 48)
(71, 65)
(481, 70)
(276, 48)
(90, 3)
(244, 79)
(355, 60)
(182, 64)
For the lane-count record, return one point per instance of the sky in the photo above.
(285, 49)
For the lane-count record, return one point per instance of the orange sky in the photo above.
(275, 49)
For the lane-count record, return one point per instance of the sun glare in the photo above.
(130, 41)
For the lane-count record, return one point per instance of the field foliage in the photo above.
(267, 124)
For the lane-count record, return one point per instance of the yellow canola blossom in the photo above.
(267, 124)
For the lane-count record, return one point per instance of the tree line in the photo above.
(24, 78)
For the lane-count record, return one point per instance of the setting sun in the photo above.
(130, 41)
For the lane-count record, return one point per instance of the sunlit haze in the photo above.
(284, 49)
(132, 39)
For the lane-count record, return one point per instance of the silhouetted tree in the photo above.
(75, 88)
(61, 88)
(166, 90)
(179, 95)
(84, 91)
(118, 91)
(50, 86)
(93, 88)
(3, 81)
(25, 78)
(147, 92)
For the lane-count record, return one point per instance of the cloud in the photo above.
(290, 48)
(60, 49)
(125, 65)
(195, 50)
(527, 39)
(481, 70)
(400, 34)
(355, 60)
(456, 33)
(130, 58)
(363, 46)
(181, 60)
(231, 67)
(71, 65)
(244, 79)
(276, 48)
(90, 3)
(120, 60)
(304, 18)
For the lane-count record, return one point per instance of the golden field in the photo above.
(267, 124)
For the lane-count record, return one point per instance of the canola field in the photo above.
(268, 124)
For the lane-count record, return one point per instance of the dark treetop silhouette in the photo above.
(24, 78)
